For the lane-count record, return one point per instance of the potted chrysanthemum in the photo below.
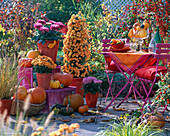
(43, 67)
(48, 34)
(76, 51)
(91, 88)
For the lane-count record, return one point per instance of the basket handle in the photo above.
(19, 84)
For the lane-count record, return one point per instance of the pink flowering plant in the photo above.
(49, 30)
(91, 84)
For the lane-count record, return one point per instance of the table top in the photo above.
(128, 61)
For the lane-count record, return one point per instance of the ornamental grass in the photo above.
(8, 77)
(125, 127)
(76, 47)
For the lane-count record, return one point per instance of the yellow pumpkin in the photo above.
(131, 34)
(76, 100)
(135, 25)
(65, 78)
(54, 84)
(142, 33)
(21, 92)
(33, 54)
(146, 24)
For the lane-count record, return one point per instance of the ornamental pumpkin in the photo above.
(75, 101)
(146, 24)
(25, 62)
(66, 111)
(156, 121)
(142, 33)
(38, 95)
(83, 109)
(33, 54)
(54, 84)
(65, 78)
(21, 92)
(131, 34)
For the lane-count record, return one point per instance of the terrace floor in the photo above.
(88, 129)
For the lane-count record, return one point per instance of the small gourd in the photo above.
(54, 84)
(131, 34)
(83, 109)
(146, 24)
(75, 101)
(66, 111)
(142, 33)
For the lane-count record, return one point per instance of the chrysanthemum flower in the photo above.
(37, 25)
(44, 29)
(41, 21)
(54, 27)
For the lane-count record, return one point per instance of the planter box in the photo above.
(54, 96)
(25, 72)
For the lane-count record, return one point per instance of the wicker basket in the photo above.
(17, 105)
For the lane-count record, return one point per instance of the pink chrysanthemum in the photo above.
(41, 21)
(37, 25)
(54, 27)
(44, 29)
(52, 22)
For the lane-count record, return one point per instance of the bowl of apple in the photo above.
(117, 44)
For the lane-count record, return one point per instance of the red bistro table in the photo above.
(128, 62)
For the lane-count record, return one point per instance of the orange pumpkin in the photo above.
(65, 78)
(86, 107)
(33, 54)
(76, 101)
(83, 109)
(25, 62)
(157, 121)
(38, 95)
(21, 92)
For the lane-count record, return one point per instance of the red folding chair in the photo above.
(110, 67)
(149, 74)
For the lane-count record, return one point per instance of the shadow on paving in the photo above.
(86, 129)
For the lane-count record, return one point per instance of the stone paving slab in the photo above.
(89, 129)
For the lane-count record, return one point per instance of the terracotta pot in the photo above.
(91, 99)
(5, 104)
(50, 52)
(43, 80)
(78, 83)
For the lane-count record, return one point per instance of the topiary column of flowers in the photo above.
(76, 51)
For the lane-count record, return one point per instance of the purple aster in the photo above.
(41, 21)
(54, 27)
(52, 22)
(37, 25)
(44, 29)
